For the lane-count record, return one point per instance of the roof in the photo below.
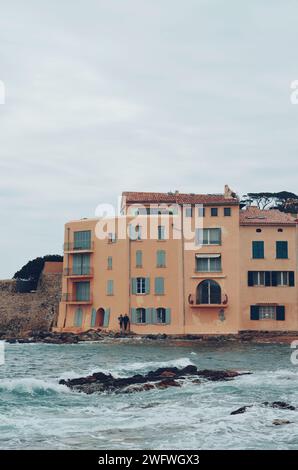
(255, 216)
(178, 198)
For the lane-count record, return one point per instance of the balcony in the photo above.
(192, 302)
(71, 247)
(85, 272)
(71, 298)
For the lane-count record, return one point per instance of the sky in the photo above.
(103, 96)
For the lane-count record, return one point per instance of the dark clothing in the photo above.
(126, 321)
(121, 320)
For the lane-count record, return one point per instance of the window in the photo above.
(258, 230)
(140, 315)
(81, 264)
(227, 211)
(112, 238)
(138, 232)
(208, 263)
(282, 278)
(208, 236)
(208, 292)
(139, 258)
(161, 259)
(214, 212)
(159, 286)
(141, 285)
(161, 315)
(258, 249)
(259, 278)
(201, 211)
(82, 240)
(188, 211)
(110, 287)
(280, 230)
(161, 232)
(78, 317)
(281, 250)
(267, 312)
(110, 262)
(82, 291)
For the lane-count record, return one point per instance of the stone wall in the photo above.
(29, 311)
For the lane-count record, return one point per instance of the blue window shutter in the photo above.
(133, 285)
(161, 258)
(110, 262)
(133, 315)
(154, 315)
(267, 278)
(147, 285)
(149, 315)
(110, 287)
(139, 258)
(168, 315)
(78, 320)
(281, 249)
(159, 286)
(106, 317)
(258, 249)
(254, 312)
(93, 318)
(250, 278)
(291, 278)
(280, 312)
(274, 278)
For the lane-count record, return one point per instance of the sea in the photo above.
(38, 413)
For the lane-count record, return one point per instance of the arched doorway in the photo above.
(208, 292)
(99, 318)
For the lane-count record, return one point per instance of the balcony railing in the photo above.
(78, 272)
(74, 299)
(192, 301)
(70, 246)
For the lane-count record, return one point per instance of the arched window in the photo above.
(160, 315)
(140, 315)
(208, 292)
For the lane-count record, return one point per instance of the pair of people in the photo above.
(124, 322)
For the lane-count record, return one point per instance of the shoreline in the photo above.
(247, 336)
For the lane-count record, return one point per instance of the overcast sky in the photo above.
(110, 95)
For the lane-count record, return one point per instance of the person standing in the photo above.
(121, 322)
(126, 322)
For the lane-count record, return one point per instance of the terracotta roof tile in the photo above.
(177, 198)
(256, 216)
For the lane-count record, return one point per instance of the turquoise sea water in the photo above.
(38, 413)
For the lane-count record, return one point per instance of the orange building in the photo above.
(181, 264)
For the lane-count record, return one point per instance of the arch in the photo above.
(99, 318)
(208, 292)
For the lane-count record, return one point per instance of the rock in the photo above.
(282, 405)
(163, 377)
(220, 374)
(241, 410)
(279, 422)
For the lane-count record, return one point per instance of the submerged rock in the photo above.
(161, 378)
(279, 422)
(240, 410)
(282, 405)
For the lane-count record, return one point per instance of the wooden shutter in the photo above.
(291, 278)
(267, 278)
(147, 285)
(159, 286)
(93, 318)
(133, 315)
(280, 312)
(78, 321)
(139, 258)
(250, 278)
(168, 315)
(254, 312)
(274, 278)
(106, 317)
(133, 285)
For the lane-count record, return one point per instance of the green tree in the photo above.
(32, 270)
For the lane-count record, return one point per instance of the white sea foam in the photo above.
(31, 386)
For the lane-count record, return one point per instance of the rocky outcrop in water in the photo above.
(281, 405)
(161, 378)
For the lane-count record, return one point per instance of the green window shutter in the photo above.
(161, 258)
(258, 249)
(78, 320)
(110, 262)
(133, 285)
(93, 318)
(154, 315)
(280, 312)
(82, 239)
(274, 278)
(168, 315)
(133, 315)
(139, 258)
(250, 278)
(267, 278)
(76, 264)
(106, 318)
(82, 291)
(110, 287)
(254, 312)
(291, 278)
(149, 317)
(282, 250)
(147, 285)
(159, 286)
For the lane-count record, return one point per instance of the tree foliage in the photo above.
(285, 201)
(32, 270)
